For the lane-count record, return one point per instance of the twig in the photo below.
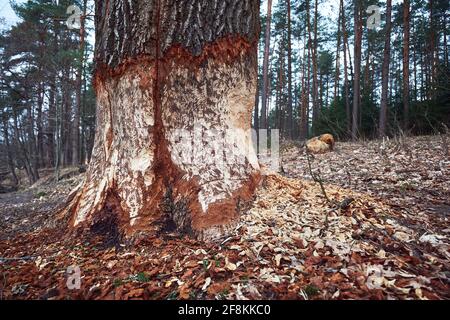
(16, 259)
(445, 141)
(317, 178)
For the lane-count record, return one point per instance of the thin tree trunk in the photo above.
(256, 115)
(8, 151)
(432, 51)
(357, 73)
(21, 147)
(321, 90)
(289, 53)
(346, 84)
(279, 92)
(423, 73)
(51, 126)
(39, 126)
(406, 98)
(416, 92)
(446, 61)
(316, 106)
(266, 67)
(305, 78)
(338, 56)
(281, 121)
(76, 150)
(32, 144)
(366, 86)
(385, 71)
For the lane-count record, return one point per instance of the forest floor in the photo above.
(379, 229)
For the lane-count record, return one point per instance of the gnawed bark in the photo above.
(175, 84)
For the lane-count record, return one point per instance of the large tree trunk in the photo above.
(385, 71)
(175, 83)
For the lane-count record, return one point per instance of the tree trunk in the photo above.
(76, 150)
(406, 97)
(281, 114)
(289, 49)
(432, 51)
(357, 74)
(175, 84)
(39, 127)
(338, 55)
(414, 46)
(266, 67)
(256, 116)
(446, 61)
(346, 84)
(34, 161)
(366, 84)
(316, 106)
(305, 80)
(279, 91)
(20, 146)
(385, 71)
(9, 156)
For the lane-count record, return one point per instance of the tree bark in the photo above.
(175, 84)
(385, 71)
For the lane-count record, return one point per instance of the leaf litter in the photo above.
(374, 240)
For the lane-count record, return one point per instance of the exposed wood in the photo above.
(167, 76)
